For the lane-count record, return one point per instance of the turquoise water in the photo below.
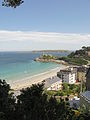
(16, 65)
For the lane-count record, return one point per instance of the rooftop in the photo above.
(50, 81)
(68, 70)
(86, 95)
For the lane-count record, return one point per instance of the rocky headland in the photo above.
(51, 60)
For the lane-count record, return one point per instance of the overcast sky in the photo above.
(45, 24)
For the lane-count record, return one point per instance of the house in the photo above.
(75, 69)
(53, 83)
(49, 81)
(56, 86)
(85, 97)
(67, 75)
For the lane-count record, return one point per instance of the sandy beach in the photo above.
(28, 81)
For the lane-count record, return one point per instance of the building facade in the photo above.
(56, 86)
(67, 75)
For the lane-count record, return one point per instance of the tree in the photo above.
(84, 48)
(7, 101)
(12, 3)
(33, 103)
(52, 109)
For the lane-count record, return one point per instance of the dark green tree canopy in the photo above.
(33, 104)
(12, 3)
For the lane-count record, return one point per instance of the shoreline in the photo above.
(51, 60)
(38, 78)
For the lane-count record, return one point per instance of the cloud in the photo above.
(43, 36)
(29, 40)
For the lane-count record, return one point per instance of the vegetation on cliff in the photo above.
(83, 53)
(79, 57)
(47, 57)
(74, 60)
(50, 58)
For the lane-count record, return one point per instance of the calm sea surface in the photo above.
(17, 65)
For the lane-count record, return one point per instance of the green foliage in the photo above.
(67, 90)
(60, 93)
(70, 89)
(7, 101)
(78, 53)
(65, 86)
(50, 92)
(83, 87)
(2, 116)
(36, 106)
(79, 57)
(12, 3)
(33, 104)
(85, 116)
(75, 61)
(47, 56)
(71, 55)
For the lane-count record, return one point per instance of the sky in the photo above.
(45, 24)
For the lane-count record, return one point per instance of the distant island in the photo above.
(50, 51)
(79, 57)
(50, 58)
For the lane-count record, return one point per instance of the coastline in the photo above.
(38, 78)
(51, 60)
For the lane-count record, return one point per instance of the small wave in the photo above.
(37, 75)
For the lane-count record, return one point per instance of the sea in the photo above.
(18, 65)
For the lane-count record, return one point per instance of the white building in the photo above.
(54, 83)
(67, 75)
(56, 86)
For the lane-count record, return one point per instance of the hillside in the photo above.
(79, 57)
(82, 53)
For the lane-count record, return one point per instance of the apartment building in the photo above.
(67, 75)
